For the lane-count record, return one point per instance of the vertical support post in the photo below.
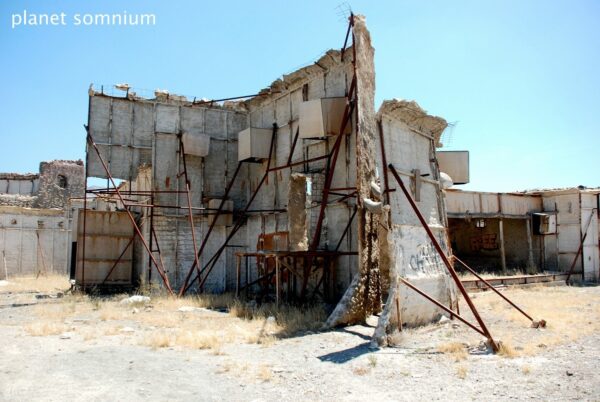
(189, 203)
(277, 279)
(530, 262)
(502, 250)
(131, 218)
(238, 263)
(398, 312)
(151, 231)
(417, 173)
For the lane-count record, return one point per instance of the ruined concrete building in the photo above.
(35, 231)
(553, 230)
(286, 195)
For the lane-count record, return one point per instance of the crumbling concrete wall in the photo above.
(410, 136)
(60, 180)
(280, 104)
(297, 216)
(363, 297)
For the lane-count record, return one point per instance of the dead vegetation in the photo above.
(211, 322)
(457, 350)
(45, 283)
(194, 322)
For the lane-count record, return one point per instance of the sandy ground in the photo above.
(546, 364)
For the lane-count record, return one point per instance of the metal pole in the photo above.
(446, 309)
(210, 228)
(189, 202)
(502, 251)
(489, 285)
(529, 243)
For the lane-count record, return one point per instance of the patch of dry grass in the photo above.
(50, 283)
(265, 373)
(372, 361)
(456, 350)
(361, 370)
(505, 349)
(462, 371)
(159, 339)
(45, 328)
(570, 313)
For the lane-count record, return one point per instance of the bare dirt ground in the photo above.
(81, 348)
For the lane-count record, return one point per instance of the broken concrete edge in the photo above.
(362, 297)
(378, 257)
(19, 176)
(410, 113)
(287, 82)
(176, 100)
(18, 210)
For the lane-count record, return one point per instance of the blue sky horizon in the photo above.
(518, 80)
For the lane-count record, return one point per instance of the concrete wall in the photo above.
(576, 212)
(19, 184)
(33, 240)
(138, 139)
(413, 257)
(475, 203)
(330, 78)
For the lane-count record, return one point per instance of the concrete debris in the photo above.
(446, 181)
(374, 207)
(136, 299)
(127, 330)
(186, 309)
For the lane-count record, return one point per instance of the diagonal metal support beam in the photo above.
(444, 258)
(160, 269)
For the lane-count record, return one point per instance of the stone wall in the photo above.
(60, 180)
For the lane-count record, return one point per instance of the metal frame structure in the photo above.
(151, 245)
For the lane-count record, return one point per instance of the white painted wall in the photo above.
(30, 238)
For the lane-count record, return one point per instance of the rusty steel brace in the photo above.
(484, 330)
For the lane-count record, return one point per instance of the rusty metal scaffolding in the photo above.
(151, 245)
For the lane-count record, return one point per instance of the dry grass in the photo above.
(50, 283)
(570, 312)
(454, 349)
(45, 328)
(265, 373)
(372, 361)
(506, 350)
(361, 370)
(462, 371)
(160, 339)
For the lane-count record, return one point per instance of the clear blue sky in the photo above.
(520, 78)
